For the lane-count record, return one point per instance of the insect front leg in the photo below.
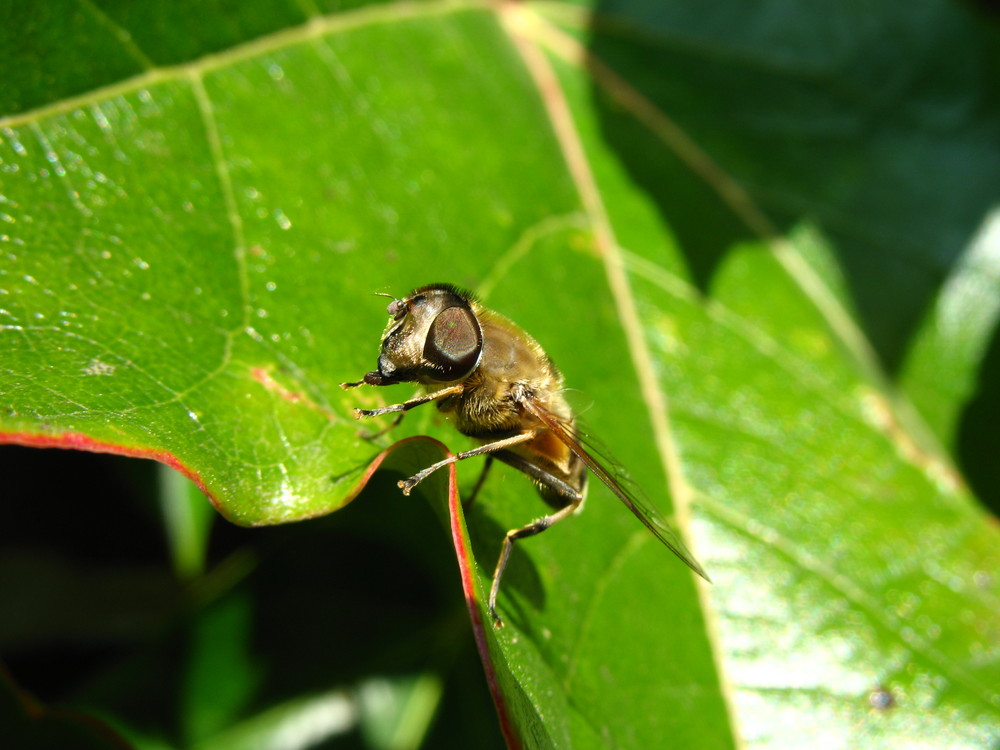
(498, 445)
(452, 390)
(366, 435)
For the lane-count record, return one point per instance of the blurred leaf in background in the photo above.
(759, 240)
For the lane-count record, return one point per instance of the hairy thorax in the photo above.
(513, 366)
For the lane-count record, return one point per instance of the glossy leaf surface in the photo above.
(685, 210)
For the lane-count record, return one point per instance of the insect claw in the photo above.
(406, 485)
(497, 622)
(359, 413)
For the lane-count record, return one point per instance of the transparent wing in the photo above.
(625, 490)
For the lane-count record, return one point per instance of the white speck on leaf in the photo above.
(97, 367)
(283, 221)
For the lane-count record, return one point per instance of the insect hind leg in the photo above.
(562, 489)
(555, 491)
(535, 527)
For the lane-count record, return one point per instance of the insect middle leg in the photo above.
(468, 501)
(497, 445)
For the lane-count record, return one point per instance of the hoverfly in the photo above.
(501, 388)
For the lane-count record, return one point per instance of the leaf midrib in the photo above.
(315, 28)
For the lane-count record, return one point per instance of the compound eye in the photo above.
(454, 342)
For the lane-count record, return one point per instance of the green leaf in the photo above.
(187, 521)
(731, 232)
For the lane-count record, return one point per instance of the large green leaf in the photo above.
(683, 208)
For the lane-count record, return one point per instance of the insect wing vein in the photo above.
(650, 518)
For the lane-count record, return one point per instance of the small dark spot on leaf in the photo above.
(881, 699)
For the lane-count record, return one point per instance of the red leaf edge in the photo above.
(81, 442)
(459, 530)
(463, 553)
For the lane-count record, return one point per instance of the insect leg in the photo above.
(535, 527)
(479, 482)
(366, 435)
(452, 390)
(497, 445)
(564, 490)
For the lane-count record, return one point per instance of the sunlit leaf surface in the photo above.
(746, 238)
